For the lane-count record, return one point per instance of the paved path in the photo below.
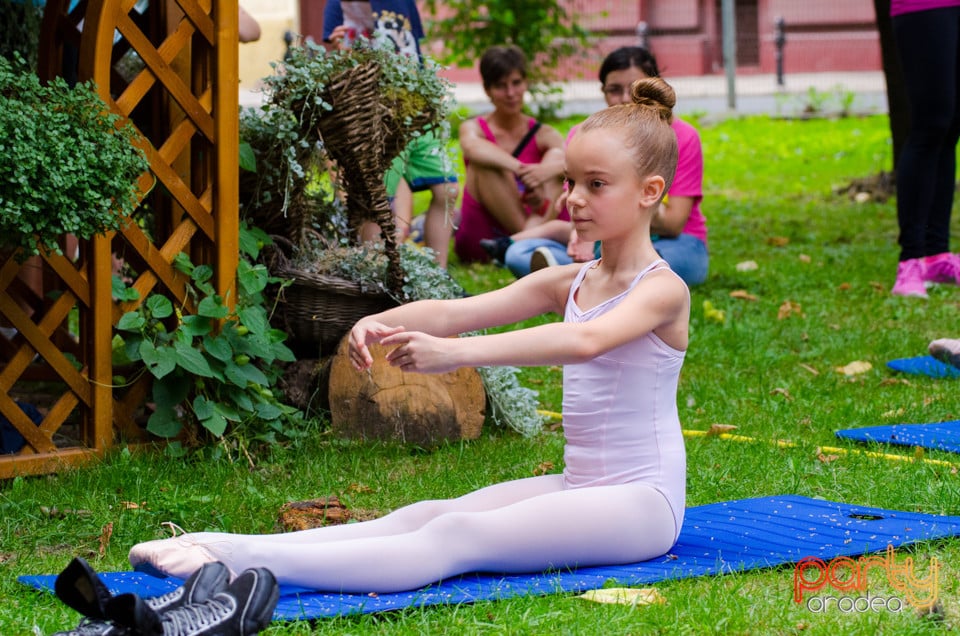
(755, 94)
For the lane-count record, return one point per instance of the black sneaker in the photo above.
(496, 248)
(79, 587)
(244, 607)
(96, 627)
(210, 579)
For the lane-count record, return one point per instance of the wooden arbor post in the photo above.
(172, 70)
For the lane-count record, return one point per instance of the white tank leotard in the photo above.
(620, 410)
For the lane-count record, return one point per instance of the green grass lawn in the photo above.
(818, 300)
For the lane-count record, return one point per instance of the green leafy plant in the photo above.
(545, 30)
(214, 367)
(67, 165)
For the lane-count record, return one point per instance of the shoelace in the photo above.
(156, 602)
(192, 619)
(175, 530)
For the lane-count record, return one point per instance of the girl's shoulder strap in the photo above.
(655, 265)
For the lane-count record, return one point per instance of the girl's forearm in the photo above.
(550, 344)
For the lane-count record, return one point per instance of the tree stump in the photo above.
(414, 408)
(317, 513)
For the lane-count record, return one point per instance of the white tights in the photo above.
(527, 525)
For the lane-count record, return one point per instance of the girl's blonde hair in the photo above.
(646, 123)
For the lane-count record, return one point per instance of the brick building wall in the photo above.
(685, 35)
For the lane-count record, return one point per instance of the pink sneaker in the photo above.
(942, 268)
(910, 280)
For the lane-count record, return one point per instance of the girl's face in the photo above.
(605, 194)
(616, 87)
(507, 93)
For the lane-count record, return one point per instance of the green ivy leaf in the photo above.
(219, 348)
(203, 408)
(164, 422)
(268, 411)
(160, 306)
(241, 398)
(227, 411)
(283, 353)
(248, 159)
(131, 348)
(252, 240)
(252, 278)
(255, 319)
(120, 290)
(255, 346)
(171, 390)
(193, 326)
(201, 273)
(212, 307)
(216, 424)
(242, 375)
(192, 360)
(160, 361)
(131, 321)
(183, 264)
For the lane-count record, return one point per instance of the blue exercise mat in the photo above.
(943, 436)
(924, 365)
(717, 538)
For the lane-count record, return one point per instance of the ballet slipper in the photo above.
(180, 556)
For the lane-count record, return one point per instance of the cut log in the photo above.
(414, 408)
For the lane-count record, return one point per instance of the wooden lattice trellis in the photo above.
(171, 67)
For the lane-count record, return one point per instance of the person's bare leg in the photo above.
(403, 209)
(496, 191)
(438, 223)
(369, 232)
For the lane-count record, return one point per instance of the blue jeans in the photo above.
(686, 254)
(517, 258)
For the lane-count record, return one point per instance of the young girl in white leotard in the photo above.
(622, 342)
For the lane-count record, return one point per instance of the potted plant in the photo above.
(321, 143)
(67, 164)
(316, 153)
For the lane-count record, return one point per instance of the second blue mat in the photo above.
(924, 365)
(943, 436)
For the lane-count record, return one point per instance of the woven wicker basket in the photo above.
(318, 310)
(362, 136)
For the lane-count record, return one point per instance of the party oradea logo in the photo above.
(843, 583)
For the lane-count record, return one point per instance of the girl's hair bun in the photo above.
(654, 92)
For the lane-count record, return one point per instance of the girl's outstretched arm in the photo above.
(660, 303)
(522, 299)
